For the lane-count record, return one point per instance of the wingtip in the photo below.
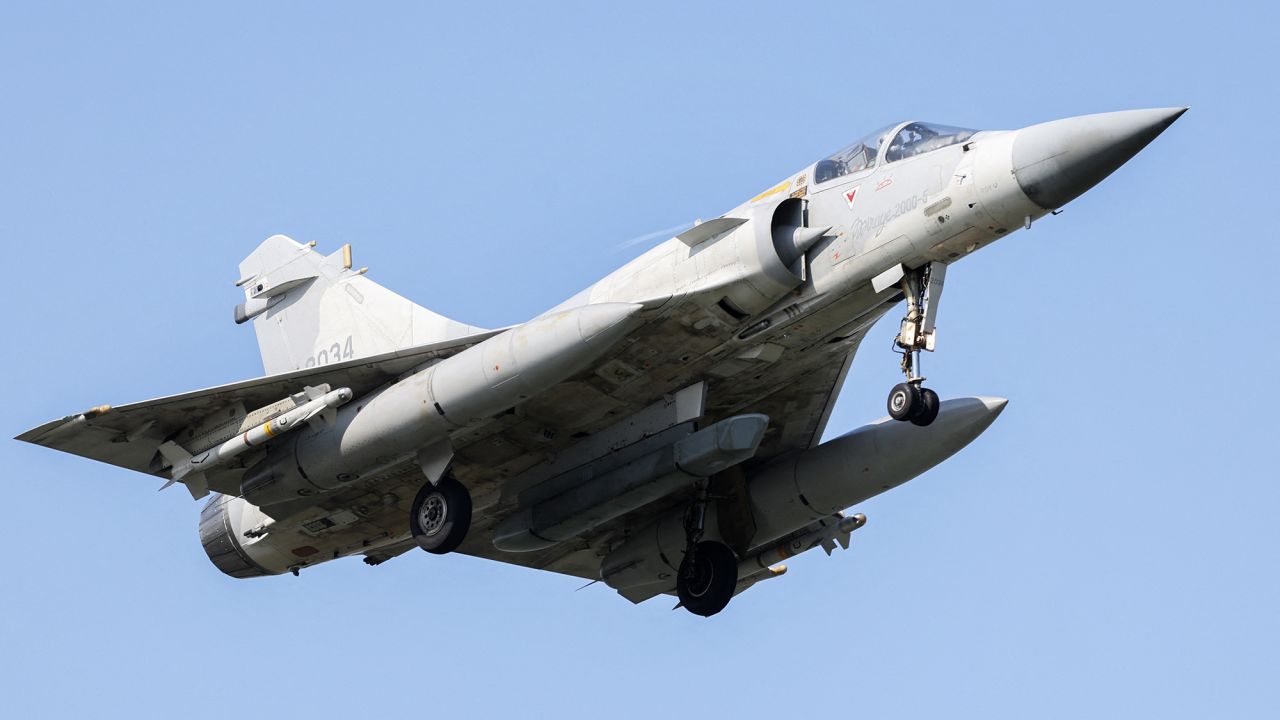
(35, 434)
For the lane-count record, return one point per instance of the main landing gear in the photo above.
(708, 574)
(910, 401)
(441, 515)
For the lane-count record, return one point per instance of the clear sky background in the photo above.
(1108, 549)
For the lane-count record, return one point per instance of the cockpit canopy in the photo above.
(918, 138)
(853, 158)
(913, 139)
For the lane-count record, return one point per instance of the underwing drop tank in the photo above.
(807, 489)
(819, 482)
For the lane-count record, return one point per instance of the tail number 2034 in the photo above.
(336, 352)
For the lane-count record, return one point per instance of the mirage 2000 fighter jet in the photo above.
(660, 430)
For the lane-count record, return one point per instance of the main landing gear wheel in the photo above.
(441, 516)
(708, 575)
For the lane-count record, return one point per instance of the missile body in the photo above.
(748, 581)
(834, 530)
(391, 424)
(760, 567)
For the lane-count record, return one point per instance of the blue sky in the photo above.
(1108, 548)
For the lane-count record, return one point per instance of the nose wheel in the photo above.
(910, 401)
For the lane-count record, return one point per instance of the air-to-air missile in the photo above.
(827, 534)
(189, 469)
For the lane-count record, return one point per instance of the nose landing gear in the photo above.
(910, 401)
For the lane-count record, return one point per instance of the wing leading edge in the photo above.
(129, 436)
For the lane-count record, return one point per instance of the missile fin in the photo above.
(828, 546)
(309, 393)
(843, 539)
(197, 484)
(173, 453)
(325, 414)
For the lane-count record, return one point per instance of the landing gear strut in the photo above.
(441, 516)
(709, 572)
(910, 401)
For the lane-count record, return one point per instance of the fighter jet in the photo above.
(659, 431)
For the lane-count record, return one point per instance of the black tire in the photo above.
(441, 516)
(706, 586)
(929, 404)
(904, 401)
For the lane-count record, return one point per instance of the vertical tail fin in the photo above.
(310, 309)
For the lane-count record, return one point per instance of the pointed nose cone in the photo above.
(994, 405)
(960, 420)
(1056, 162)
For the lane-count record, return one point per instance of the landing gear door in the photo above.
(933, 293)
